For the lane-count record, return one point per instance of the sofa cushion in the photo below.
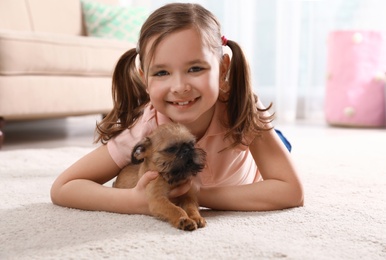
(58, 54)
(14, 15)
(58, 16)
(113, 22)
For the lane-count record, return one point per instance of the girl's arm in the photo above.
(80, 186)
(280, 189)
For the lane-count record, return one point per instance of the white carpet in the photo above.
(344, 173)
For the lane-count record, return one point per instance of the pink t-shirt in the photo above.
(223, 168)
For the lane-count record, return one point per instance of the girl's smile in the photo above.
(183, 103)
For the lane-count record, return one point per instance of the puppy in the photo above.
(170, 151)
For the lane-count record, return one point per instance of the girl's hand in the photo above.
(140, 190)
(180, 189)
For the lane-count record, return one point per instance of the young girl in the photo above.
(182, 75)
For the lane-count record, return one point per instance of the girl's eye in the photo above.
(161, 73)
(195, 69)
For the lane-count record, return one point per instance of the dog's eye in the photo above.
(171, 149)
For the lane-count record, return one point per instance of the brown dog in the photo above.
(170, 151)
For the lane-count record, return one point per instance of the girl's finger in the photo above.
(181, 189)
(146, 178)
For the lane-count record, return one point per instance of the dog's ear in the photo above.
(140, 151)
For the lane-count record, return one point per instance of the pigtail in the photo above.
(244, 115)
(129, 98)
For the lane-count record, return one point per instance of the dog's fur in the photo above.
(170, 151)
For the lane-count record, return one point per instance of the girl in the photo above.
(182, 75)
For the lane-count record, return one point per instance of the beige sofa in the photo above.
(48, 66)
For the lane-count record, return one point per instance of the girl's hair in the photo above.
(129, 91)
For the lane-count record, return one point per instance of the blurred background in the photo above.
(286, 43)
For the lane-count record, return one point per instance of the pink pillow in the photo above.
(355, 87)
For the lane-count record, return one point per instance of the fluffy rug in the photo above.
(344, 216)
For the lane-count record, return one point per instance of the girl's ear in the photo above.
(142, 76)
(224, 66)
(224, 84)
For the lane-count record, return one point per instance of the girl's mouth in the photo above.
(183, 103)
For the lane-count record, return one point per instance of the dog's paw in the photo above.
(200, 221)
(187, 224)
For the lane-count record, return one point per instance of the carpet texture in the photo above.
(344, 216)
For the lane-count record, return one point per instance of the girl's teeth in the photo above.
(181, 103)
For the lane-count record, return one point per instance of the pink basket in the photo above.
(355, 87)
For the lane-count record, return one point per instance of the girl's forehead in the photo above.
(183, 43)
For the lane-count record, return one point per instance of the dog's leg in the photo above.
(160, 206)
(190, 205)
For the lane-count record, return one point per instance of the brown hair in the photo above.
(129, 92)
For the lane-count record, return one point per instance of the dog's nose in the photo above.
(184, 150)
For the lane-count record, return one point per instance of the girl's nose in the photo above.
(180, 85)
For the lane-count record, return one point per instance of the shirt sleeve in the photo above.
(121, 146)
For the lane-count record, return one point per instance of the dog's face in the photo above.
(170, 151)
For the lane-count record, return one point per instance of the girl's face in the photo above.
(183, 79)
